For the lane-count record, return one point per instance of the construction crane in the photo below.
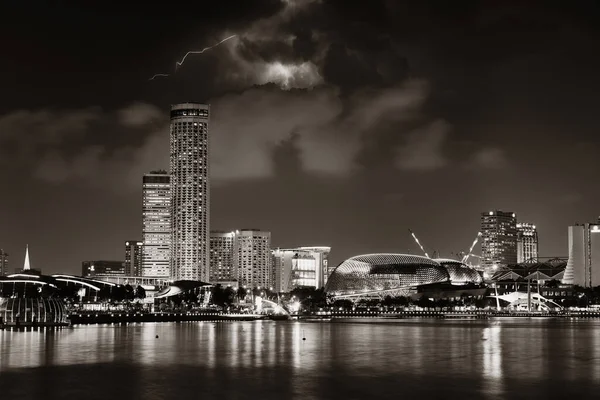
(417, 240)
(470, 252)
(471, 255)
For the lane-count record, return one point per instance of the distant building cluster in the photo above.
(504, 241)
(177, 242)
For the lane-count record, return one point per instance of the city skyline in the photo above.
(343, 135)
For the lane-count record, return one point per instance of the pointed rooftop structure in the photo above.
(26, 266)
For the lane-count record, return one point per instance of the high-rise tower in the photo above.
(156, 224)
(252, 258)
(499, 238)
(527, 242)
(190, 192)
(133, 257)
(3, 262)
(583, 267)
(221, 256)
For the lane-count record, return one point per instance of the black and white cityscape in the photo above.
(299, 199)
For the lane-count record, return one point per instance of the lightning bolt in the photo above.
(157, 76)
(180, 63)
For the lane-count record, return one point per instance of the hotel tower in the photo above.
(190, 192)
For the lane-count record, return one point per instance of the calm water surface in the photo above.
(508, 359)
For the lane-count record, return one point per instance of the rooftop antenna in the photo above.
(417, 240)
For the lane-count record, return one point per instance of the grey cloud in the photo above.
(490, 158)
(328, 131)
(139, 114)
(37, 139)
(52, 168)
(424, 147)
(265, 52)
(24, 131)
(246, 129)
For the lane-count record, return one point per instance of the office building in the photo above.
(321, 254)
(252, 258)
(100, 268)
(300, 267)
(498, 239)
(3, 262)
(190, 192)
(583, 267)
(133, 257)
(527, 242)
(156, 224)
(221, 256)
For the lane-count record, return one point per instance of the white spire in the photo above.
(26, 265)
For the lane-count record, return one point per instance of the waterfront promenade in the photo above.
(319, 316)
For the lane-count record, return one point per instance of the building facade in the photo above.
(156, 224)
(252, 261)
(498, 239)
(300, 267)
(133, 257)
(90, 269)
(321, 254)
(190, 192)
(221, 256)
(527, 242)
(583, 267)
(388, 274)
(3, 262)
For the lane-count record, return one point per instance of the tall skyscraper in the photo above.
(299, 267)
(221, 256)
(156, 224)
(133, 258)
(252, 258)
(527, 242)
(583, 267)
(3, 262)
(190, 192)
(499, 238)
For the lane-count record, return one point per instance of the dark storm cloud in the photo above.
(65, 146)
(356, 67)
(328, 132)
(333, 105)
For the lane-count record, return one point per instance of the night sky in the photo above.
(340, 123)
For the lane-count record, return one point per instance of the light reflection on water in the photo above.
(459, 359)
